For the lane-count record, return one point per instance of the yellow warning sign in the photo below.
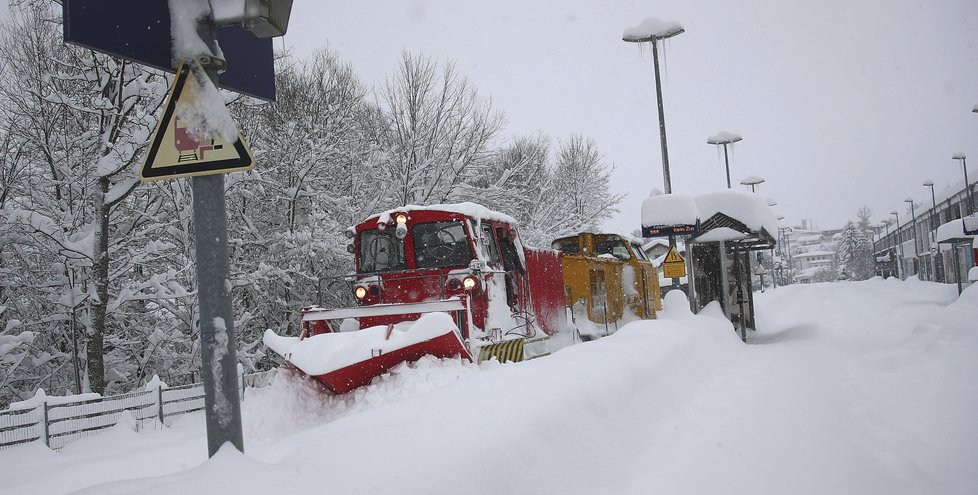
(175, 152)
(674, 266)
(673, 256)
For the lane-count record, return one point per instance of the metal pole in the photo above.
(913, 225)
(218, 349)
(967, 187)
(726, 162)
(666, 178)
(667, 182)
(935, 252)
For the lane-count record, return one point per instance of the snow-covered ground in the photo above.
(863, 387)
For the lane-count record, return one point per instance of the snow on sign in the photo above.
(176, 148)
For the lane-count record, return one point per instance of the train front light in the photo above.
(470, 283)
(360, 292)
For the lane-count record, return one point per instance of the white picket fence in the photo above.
(58, 422)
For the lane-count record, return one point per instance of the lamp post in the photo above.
(896, 231)
(724, 138)
(752, 181)
(967, 185)
(774, 279)
(933, 230)
(652, 31)
(913, 225)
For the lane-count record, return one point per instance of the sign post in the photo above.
(217, 339)
(142, 33)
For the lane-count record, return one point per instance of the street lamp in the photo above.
(751, 181)
(967, 185)
(652, 30)
(723, 138)
(896, 230)
(933, 229)
(913, 225)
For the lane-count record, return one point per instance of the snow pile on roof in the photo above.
(468, 209)
(749, 209)
(653, 27)
(950, 231)
(724, 137)
(669, 209)
(327, 352)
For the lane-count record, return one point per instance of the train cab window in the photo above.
(441, 245)
(488, 243)
(380, 251)
(639, 253)
(614, 247)
(567, 246)
(511, 258)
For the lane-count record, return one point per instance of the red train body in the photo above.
(464, 260)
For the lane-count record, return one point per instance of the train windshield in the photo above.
(613, 246)
(380, 251)
(441, 245)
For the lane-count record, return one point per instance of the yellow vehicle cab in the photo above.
(609, 276)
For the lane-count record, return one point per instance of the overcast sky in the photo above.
(841, 103)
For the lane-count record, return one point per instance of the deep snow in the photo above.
(861, 387)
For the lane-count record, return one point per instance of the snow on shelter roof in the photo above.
(468, 209)
(747, 208)
(669, 209)
(952, 231)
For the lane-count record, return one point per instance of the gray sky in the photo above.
(841, 103)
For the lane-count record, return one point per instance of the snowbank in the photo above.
(852, 387)
(323, 353)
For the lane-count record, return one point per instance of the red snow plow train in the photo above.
(457, 281)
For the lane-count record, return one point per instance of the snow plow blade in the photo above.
(345, 361)
(357, 375)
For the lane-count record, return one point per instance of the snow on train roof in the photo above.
(468, 209)
(678, 209)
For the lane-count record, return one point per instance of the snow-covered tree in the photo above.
(438, 131)
(854, 256)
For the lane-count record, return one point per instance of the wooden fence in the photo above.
(57, 421)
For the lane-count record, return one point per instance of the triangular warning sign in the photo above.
(673, 257)
(174, 152)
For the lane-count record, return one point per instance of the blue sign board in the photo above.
(140, 31)
(670, 230)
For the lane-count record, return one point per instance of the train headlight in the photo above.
(470, 283)
(401, 231)
(401, 218)
(360, 291)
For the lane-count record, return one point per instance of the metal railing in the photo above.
(57, 422)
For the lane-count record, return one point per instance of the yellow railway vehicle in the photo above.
(610, 276)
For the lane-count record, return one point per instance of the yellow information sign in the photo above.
(674, 266)
(175, 152)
